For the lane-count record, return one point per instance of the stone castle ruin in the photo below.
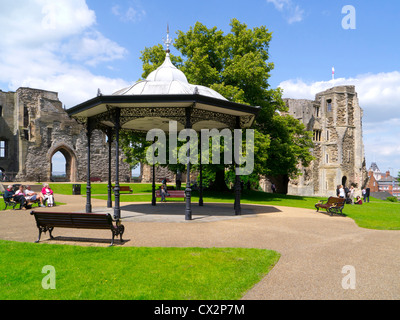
(34, 126)
(335, 118)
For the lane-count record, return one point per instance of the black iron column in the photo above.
(109, 187)
(238, 209)
(201, 186)
(188, 190)
(117, 209)
(88, 186)
(201, 175)
(153, 189)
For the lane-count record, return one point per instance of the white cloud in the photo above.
(292, 12)
(75, 86)
(129, 14)
(381, 141)
(31, 22)
(44, 43)
(93, 48)
(379, 94)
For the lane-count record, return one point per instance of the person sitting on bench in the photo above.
(48, 194)
(163, 193)
(32, 196)
(9, 194)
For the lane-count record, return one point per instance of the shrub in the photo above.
(391, 199)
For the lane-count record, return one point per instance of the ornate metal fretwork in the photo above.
(245, 120)
(173, 113)
(202, 115)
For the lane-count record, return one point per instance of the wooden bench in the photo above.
(9, 203)
(124, 189)
(31, 202)
(172, 194)
(332, 205)
(95, 179)
(47, 221)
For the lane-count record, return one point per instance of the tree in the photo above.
(236, 65)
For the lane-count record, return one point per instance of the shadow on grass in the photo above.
(117, 241)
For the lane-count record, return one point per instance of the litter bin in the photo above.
(76, 189)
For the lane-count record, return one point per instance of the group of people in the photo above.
(348, 194)
(26, 196)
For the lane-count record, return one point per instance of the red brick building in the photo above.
(382, 182)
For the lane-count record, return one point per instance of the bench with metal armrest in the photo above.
(47, 221)
(333, 205)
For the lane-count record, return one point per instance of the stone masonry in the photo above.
(35, 126)
(335, 118)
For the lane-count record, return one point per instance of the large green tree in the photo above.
(237, 66)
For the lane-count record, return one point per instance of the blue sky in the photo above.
(75, 47)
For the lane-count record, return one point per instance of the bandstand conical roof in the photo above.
(163, 96)
(167, 79)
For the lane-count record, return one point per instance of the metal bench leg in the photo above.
(40, 234)
(112, 240)
(51, 236)
(121, 230)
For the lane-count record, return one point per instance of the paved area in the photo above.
(314, 247)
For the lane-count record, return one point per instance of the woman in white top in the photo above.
(48, 194)
(341, 192)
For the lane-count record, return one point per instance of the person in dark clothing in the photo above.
(367, 192)
(9, 194)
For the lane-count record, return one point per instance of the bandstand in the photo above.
(164, 96)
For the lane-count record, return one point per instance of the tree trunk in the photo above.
(219, 182)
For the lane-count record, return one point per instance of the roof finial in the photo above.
(168, 41)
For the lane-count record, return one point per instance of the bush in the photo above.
(391, 199)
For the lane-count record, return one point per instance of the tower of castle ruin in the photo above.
(335, 118)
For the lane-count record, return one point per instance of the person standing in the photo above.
(367, 192)
(364, 193)
(351, 194)
(342, 194)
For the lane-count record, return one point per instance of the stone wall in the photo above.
(8, 133)
(43, 128)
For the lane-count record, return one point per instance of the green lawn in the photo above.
(131, 273)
